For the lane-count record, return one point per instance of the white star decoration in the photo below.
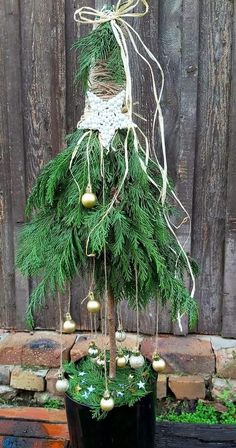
(91, 389)
(105, 116)
(141, 385)
(82, 373)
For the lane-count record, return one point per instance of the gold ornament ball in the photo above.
(121, 362)
(69, 326)
(107, 404)
(158, 364)
(93, 306)
(89, 199)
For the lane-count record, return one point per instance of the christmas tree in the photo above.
(104, 205)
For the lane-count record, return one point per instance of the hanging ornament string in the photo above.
(157, 326)
(74, 153)
(60, 371)
(106, 287)
(137, 307)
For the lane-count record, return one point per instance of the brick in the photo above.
(37, 414)
(226, 362)
(187, 387)
(7, 392)
(43, 348)
(80, 348)
(11, 348)
(189, 354)
(51, 379)
(161, 386)
(5, 374)
(28, 379)
(220, 385)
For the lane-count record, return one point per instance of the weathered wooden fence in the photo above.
(195, 42)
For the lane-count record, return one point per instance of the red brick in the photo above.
(182, 354)
(187, 387)
(11, 346)
(43, 348)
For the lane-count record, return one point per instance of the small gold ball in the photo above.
(69, 326)
(121, 362)
(93, 306)
(158, 365)
(107, 404)
(89, 199)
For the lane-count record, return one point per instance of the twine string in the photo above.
(60, 371)
(137, 307)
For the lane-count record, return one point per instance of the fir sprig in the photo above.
(53, 244)
(99, 45)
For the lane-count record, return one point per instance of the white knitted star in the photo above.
(105, 116)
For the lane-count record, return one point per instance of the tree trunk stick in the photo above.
(112, 332)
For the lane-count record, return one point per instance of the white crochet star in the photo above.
(105, 116)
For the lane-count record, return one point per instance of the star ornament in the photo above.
(105, 116)
(141, 385)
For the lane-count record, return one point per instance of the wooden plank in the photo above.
(211, 159)
(34, 414)
(170, 59)
(37, 430)
(7, 293)
(22, 442)
(185, 160)
(43, 69)
(177, 435)
(229, 300)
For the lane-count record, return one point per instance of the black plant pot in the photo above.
(124, 427)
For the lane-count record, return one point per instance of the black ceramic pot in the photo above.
(124, 427)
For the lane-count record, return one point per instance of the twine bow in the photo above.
(86, 14)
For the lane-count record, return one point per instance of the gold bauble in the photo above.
(89, 199)
(69, 326)
(121, 361)
(107, 403)
(158, 364)
(93, 306)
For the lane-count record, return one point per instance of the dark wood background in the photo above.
(195, 43)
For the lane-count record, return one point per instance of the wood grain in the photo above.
(43, 69)
(211, 159)
(229, 299)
